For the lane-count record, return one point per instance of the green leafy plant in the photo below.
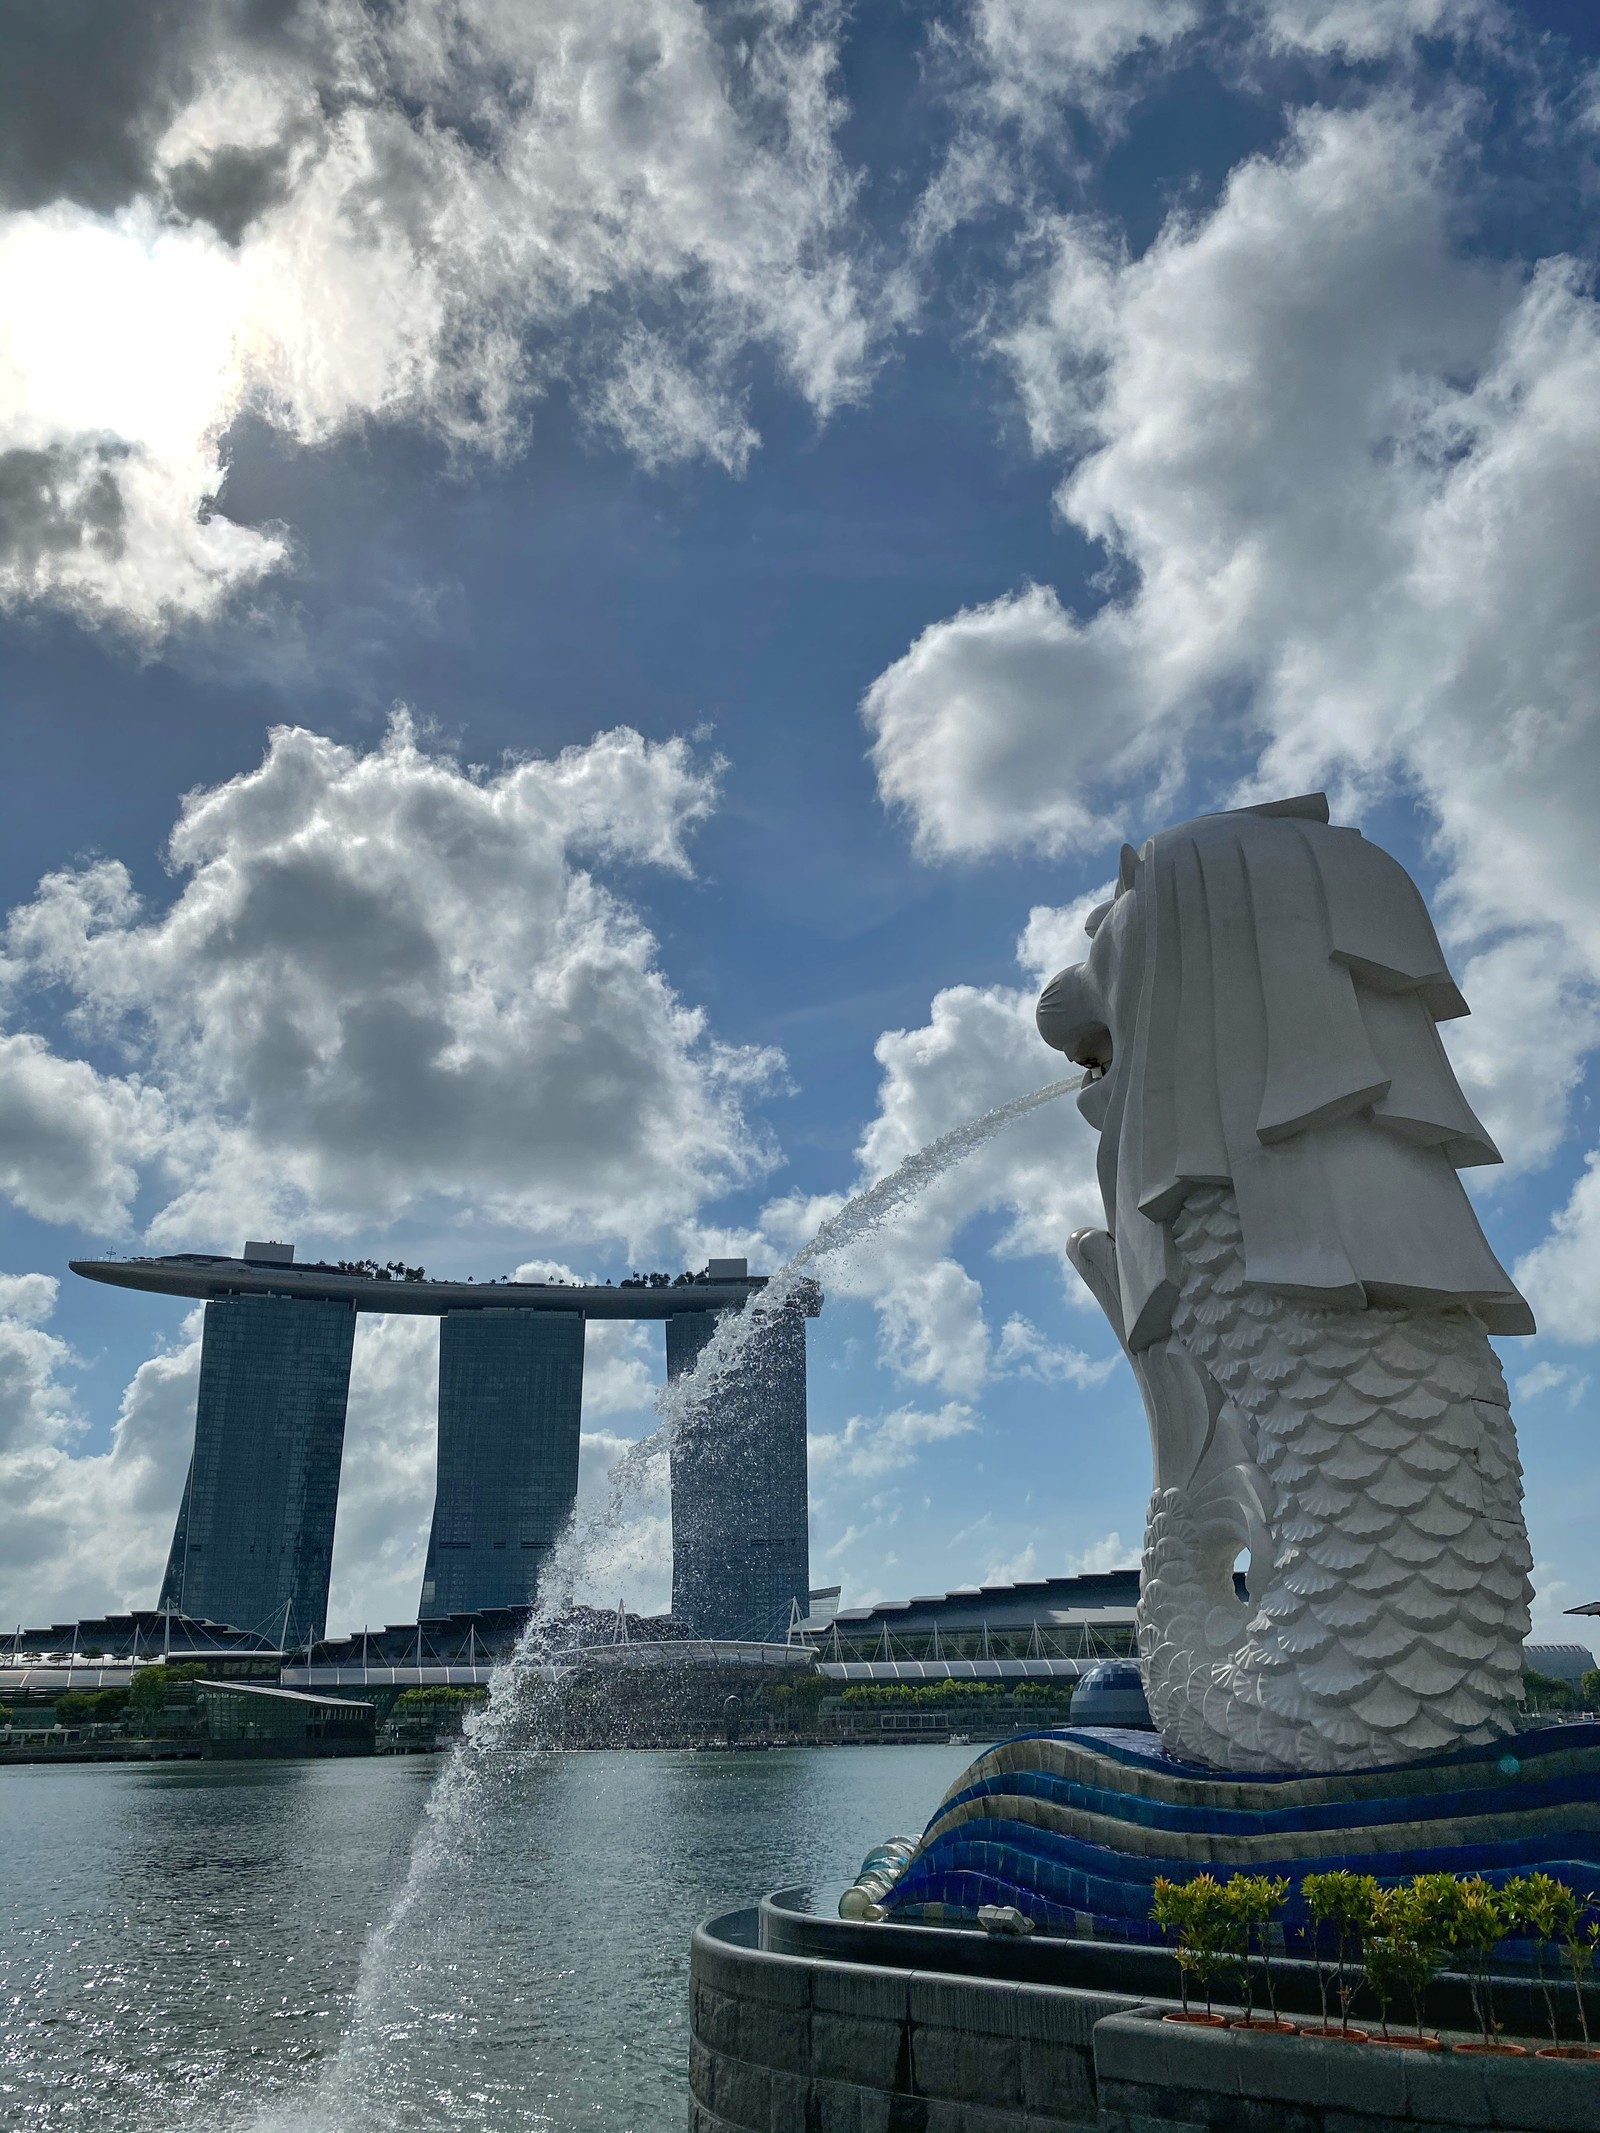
(1382, 1953)
(1341, 1903)
(85, 1707)
(1576, 1934)
(1392, 1939)
(1532, 1905)
(153, 1686)
(148, 1692)
(1197, 1915)
(1547, 1692)
(1170, 1908)
(1481, 1925)
(1412, 1925)
(918, 1695)
(1253, 1901)
(426, 1700)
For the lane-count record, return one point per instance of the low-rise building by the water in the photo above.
(246, 1718)
(1016, 1631)
(980, 1662)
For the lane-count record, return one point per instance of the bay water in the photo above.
(181, 1946)
(384, 1947)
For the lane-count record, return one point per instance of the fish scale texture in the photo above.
(1388, 1622)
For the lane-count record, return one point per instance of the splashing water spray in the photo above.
(484, 1760)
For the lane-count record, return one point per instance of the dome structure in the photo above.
(1111, 1694)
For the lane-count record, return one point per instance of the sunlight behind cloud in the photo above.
(126, 327)
(428, 215)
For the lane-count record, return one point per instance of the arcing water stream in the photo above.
(851, 1225)
(486, 1759)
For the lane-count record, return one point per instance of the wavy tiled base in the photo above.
(1073, 1827)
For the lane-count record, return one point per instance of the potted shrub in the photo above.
(1339, 1903)
(1195, 1914)
(1531, 1904)
(1253, 1901)
(1404, 1946)
(1576, 1934)
(1481, 1924)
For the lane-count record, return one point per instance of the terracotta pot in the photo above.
(1277, 2029)
(1333, 2034)
(1569, 2051)
(1408, 2044)
(1495, 2050)
(1202, 2020)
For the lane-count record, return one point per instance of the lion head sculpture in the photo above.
(1258, 1011)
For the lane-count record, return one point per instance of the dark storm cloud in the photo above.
(58, 499)
(89, 86)
(231, 188)
(83, 94)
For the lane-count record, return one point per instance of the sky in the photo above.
(587, 597)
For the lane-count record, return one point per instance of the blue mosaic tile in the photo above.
(1060, 1878)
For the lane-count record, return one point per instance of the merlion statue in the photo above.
(1305, 1296)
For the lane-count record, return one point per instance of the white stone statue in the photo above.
(1305, 1295)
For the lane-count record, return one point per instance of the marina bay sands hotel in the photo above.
(253, 1543)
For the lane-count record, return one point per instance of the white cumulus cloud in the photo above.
(1369, 29)
(1024, 1352)
(83, 1533)
(385, 983)
(871, 1446)
(979, 1049)
(71, 1138)
(1344, 471)
(1561, 1276)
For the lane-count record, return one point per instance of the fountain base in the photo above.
(806, 2023)
(1071, 1828)
(925, 2023)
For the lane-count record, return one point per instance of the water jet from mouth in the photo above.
(486, 1758)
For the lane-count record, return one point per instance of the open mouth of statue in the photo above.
(1093, 1053)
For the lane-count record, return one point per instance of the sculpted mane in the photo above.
(1264, 991)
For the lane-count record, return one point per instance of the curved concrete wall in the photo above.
(790, 2044)
(785, 2042)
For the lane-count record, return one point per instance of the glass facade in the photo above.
(740, 1549)
(254, 1539)
(510, 1407)
(246, 1719)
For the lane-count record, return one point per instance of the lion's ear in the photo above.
(1127, 868)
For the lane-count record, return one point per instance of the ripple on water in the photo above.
(331, 1948)
(181, 1950)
